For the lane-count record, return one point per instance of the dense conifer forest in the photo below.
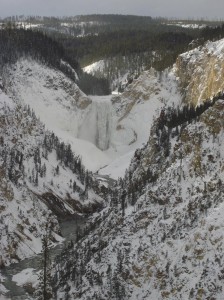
(156, 42)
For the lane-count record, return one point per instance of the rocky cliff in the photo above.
(201, 72)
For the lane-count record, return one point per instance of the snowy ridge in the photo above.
(184, 25)
(212, 48)
(119, 71)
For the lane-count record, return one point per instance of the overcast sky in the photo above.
(165, 8)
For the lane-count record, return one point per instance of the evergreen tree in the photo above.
(123, 196)
(44, 290)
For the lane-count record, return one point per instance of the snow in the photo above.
(211, 48)
(67, 24)
(97, 125)
(6, 104)
(28, 25)
(23, 214)
(102, 69)
(53, 97)
(70, 68)
(133, 127)
(118, 166)
(95, 67)
(3, 290)
(191, 26)
(26, 276)
(216, 48)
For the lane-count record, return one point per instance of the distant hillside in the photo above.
(18, 42)
(94, 24)
(126, 42)
(15, 43)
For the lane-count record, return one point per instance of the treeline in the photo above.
(213, 33)
(106, 36)
(91, 48)
(97, 24)
(117, 19)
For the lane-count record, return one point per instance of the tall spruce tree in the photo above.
(44, 290)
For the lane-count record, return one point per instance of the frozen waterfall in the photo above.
(97, 125)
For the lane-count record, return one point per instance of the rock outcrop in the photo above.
(201, 72)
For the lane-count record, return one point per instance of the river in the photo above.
(68, 230)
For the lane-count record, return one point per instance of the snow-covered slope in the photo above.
(94, 68)
(23, 216)
(166, 240)
(41, 180)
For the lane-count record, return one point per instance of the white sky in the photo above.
(212, 9)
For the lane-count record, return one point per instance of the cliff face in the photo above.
(201, 72)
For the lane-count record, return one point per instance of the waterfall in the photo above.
(103, 124)
(96, 127)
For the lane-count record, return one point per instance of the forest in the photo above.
(156, 43)
(18, 42)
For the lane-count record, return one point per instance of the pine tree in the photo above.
(44, 290)
(123, 196)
